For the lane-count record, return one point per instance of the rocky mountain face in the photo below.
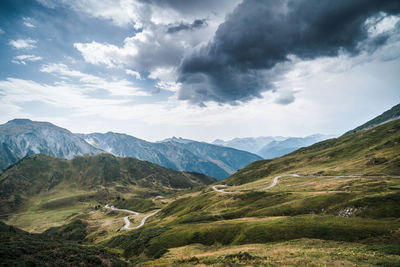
(22, 137)
(178, 154)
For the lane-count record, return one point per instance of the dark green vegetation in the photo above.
(76, 230)
(19, 248)
(390, 114)
(136, 204)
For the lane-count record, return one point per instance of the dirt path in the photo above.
(135, 213)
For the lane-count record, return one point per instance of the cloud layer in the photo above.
(259, 35)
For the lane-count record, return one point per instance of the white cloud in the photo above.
(140, 13)
(27, 22)
(333, 95)
(134, 73)
(381, 23)
(90, 82)
(107, 54)
(2, 31)
(167, 78)
(119, 12)
(17, 92)
(22, 59)
(23, 43)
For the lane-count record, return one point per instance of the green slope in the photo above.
(41, 186)
(357, 214)
(371, 152)
(19, 248)
(390, 114)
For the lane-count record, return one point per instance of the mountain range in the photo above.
(271, 146)
(336, 197)
(188, 155)
(23, 137)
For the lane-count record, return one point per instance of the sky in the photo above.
(203, 70)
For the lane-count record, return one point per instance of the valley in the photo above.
(337, 197)
(229, 133)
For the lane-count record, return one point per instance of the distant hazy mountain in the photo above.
(279, 148)
(22, 137)
(175, 153)
(271, 146)
(391, 114)
(250, 144)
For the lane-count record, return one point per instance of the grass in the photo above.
(298, 252)
(136, 204)
(101, 178)
(349, 154)
(314, 219)
(19, 248)
(152, 240)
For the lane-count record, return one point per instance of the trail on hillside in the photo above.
(274, 182)
(221, 188)
(216, 189)
(135, 213)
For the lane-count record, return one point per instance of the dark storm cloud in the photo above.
(197, 24)
(259, 34)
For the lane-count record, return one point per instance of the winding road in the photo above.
(274, 182)
(215, 188)
(126, 218)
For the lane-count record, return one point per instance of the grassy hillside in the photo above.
(370, 152)
(336, 203)
(43, 191)
(19, 248)
(390, 114)
(342, 208)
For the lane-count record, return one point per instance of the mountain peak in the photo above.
(19, 121)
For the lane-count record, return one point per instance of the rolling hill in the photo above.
(336, 197)
(370, 152)
(391, 114)
(19, 248)
(42, 184)
(336, 202)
